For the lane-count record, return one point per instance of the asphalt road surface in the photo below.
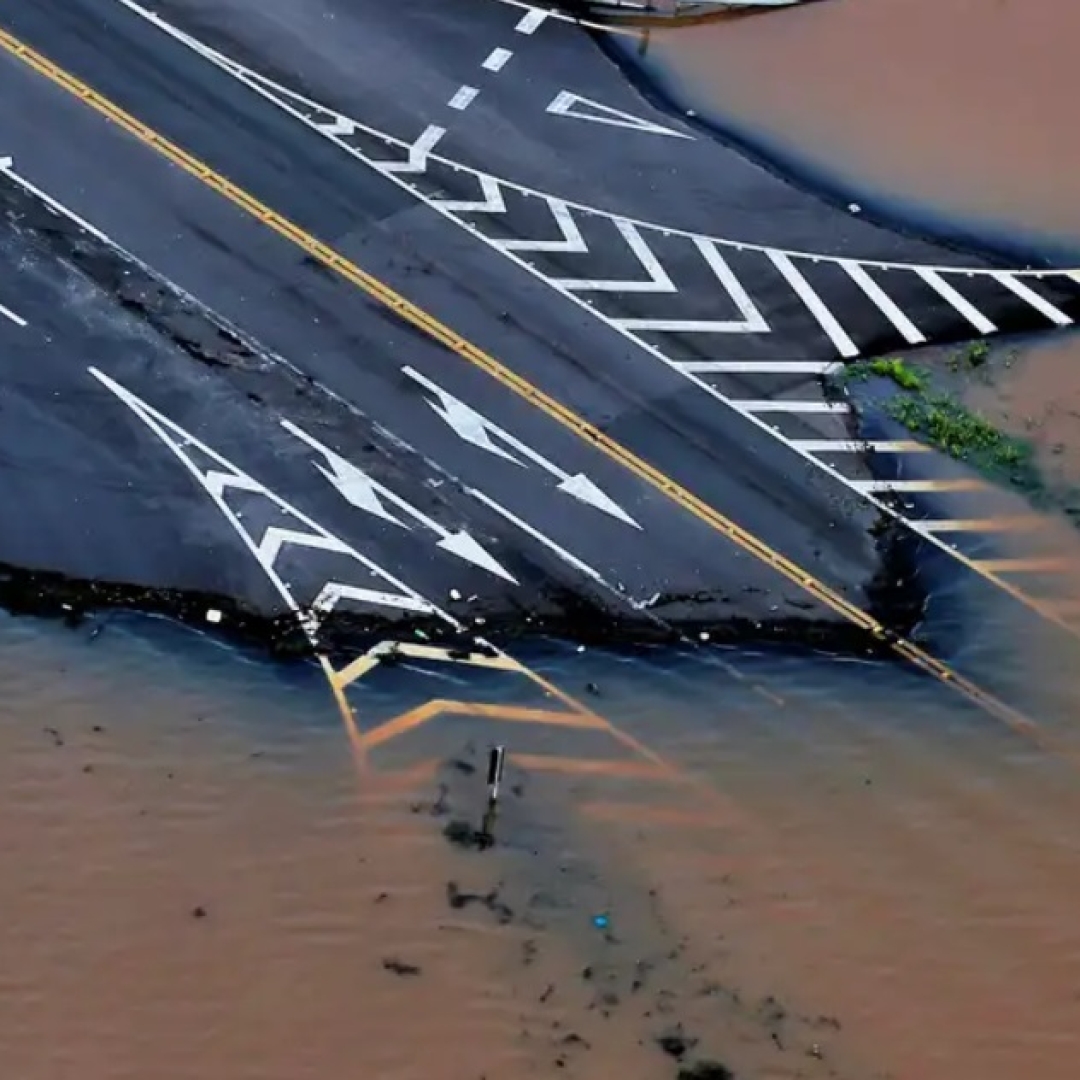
(237, 410)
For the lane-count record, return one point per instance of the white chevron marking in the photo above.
(910, 332)
(571, 242)
(333, 591)
(492, 202)
(658, 282)
(275, 538)
(836, 333)
(964, 306)
(752, 322)
(1026, 293)
(418, 152)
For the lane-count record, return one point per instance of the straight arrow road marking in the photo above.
(577, 107)
(367, 494)
(477, 429)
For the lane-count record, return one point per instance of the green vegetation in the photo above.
(942, 421)
(966, 436)
(900, 371)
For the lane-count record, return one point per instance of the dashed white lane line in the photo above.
(496, 60)
(531, 21)
(18, 320)
(463, 98)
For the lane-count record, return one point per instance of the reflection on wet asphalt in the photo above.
(845, 871)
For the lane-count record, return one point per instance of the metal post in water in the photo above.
(496, 763)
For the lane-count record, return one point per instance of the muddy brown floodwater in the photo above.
(847, 874)
(961, 107)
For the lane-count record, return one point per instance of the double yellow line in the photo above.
(558, 412)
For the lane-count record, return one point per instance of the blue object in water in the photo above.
(600, 921)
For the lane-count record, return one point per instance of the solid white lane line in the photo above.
(531, 21)
(566, 556)
(1029, 295)
(18, 320)
(735, 367)
(497, 59)
(794, 406)
(836, 333)
(885, 486)
(910, 332)
(463, 98)
(1018, 523)
(957, 300)
(856, 446)
(1034, 565)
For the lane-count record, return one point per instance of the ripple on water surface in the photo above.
(196, 882)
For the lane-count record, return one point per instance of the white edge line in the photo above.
(879, 504)
(567, 556)
(18, 320)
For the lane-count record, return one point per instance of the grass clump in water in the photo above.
(966, 436)
(900, 371)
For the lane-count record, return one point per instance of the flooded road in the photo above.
(845, 872)
(821, 867)
(959, 111)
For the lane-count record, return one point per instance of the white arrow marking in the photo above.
(224, 474)
(564, 102)
(361, 491)
(477, 429)
(353, 484)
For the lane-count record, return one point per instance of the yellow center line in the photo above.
(510, 379)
